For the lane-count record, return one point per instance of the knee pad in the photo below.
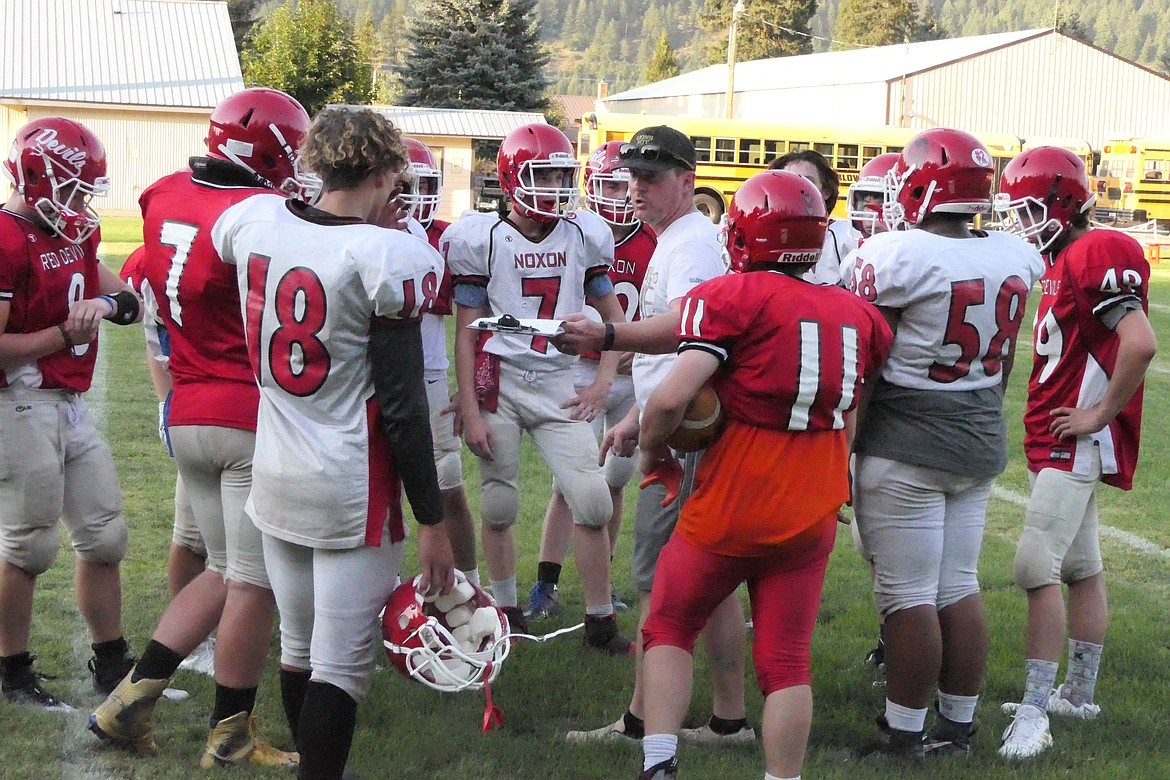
(450, 468)
(1035, 565)
(618, 471)
(596, 511)
(499, 507)
(106, 543)
(35, 550)
(956, 590)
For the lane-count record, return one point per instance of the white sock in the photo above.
(657, 748)
(960, 709)
(601, 610)
(905, 718)
(770, 776)
(504, 592)
(472, 576)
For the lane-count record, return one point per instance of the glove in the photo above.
(669, 474)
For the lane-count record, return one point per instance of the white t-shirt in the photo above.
(528, 279)
(687, 254)
(840, 241)
(961, 301)
(308, 287)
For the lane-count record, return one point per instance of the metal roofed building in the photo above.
(450, 133)
(144, 75)
(1030, 83)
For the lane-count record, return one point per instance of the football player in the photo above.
(251, 149)
(751, 517)
(333, 533)
(933, 438)
(661, 161)
(421, 195)
(1093, 345)
(840, 239)
(53, 296)
(540, 261)
(607, 193)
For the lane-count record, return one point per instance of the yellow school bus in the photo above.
(1133, 180)
(728, 151)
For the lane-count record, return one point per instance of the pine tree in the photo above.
(766, 28)
(663, 64)
(875, 22)
(928, 28)
(475, 54)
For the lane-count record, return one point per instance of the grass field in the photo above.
(407, 731)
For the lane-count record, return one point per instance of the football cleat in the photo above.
(1059, 705)
(543, 601)
(618, 604)
(601, 633)
(705, 735)
(948, 738)
(202, 658)
(25, 688)
(614, 732)
(1027, 735)
(664, 770)
(108, 672)
(126, 717)
(234, 742)
(894, 746)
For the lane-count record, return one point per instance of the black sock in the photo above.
(231, 701)
(635, 727)
(547, 571)
(15, 666)
(328, 716)
(158, 662)
(293, 684)
(115, 648)
(722, 726)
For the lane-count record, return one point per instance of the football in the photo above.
(701, 422)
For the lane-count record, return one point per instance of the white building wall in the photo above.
(1049, 86)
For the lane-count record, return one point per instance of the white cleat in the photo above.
(705, 735)
(1059, 705)
(202, 658)
(1027, 735)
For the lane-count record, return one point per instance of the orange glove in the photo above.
(669, 474)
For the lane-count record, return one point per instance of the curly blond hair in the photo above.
(346, 145)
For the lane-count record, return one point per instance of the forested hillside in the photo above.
(612, 40)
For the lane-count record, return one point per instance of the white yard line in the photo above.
(1160, 307)
(1133, 541)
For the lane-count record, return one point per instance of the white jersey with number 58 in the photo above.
(961, 303)
(309, 285)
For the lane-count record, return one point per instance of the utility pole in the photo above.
(731, 51)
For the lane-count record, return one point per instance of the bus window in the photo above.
(751, 151)
(826, 151)
(772, 150)
(797, 146)
(583, 143)
(847, 157)
(702, 148)
(1155, 170)
(724, 150)
(869, 152)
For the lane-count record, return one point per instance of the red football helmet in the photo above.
(529, 152)
(57, 166)
(260, 129)
(871, 181)
(450, 643)
(427, 188)
(775, 217)
(605, 168)
(940, 170)
(1041, 191)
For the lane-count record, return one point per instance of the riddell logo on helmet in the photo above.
(561, 157)
(797, 257)
(46, 140)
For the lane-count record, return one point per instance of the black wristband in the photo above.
(125, 307)
(65, 336)
(610, 335)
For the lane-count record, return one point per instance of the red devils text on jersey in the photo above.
(1082, 295)
(198, 299)
(41, 276)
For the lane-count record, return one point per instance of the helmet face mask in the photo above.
(1041, 192)
(864, 198)
(607, 185)
(259, 129)
(776, 217)
(538, 172)
(426, 189)
(57, 167)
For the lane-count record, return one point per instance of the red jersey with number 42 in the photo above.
(1076, 353)
(198, 302)
(41, 276)
(794, 354)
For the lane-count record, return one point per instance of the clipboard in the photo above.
(506, 323)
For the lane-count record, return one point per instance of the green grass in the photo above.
(407, 731)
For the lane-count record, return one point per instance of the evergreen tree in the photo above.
(1069, 23)
(307, 50)
(766, 28)
(474, 54)
(241, 13)
(663, 64)
(875, 22)
(928, 28)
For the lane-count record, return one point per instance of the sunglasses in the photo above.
(652, 153)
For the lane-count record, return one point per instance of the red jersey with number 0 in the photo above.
(199, 301)
(1076, 353)
(41, 275)
(794, 357)
(631, 257)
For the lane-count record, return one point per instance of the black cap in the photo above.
(658, 148)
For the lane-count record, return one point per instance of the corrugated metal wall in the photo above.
(141, 146)
(1050, 86)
